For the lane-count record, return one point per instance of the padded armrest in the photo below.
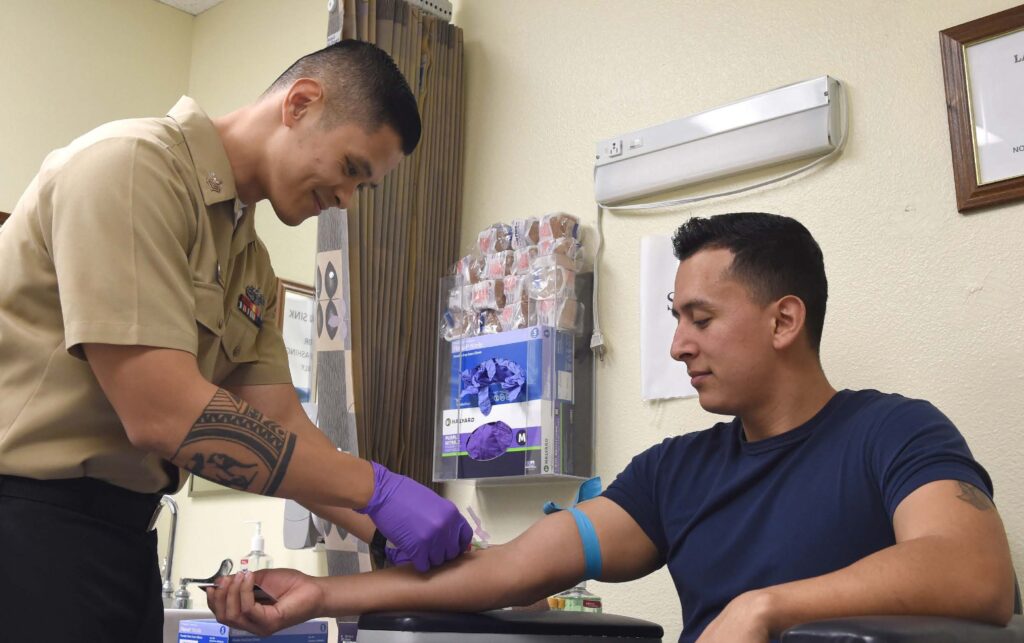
(904, 629)
(514, 622)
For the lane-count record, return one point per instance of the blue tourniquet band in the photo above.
(591, 546)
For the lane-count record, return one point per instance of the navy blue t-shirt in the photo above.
(729, 516)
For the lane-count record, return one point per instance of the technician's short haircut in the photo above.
(362, 85)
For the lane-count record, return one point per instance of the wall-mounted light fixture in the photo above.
(785, 124)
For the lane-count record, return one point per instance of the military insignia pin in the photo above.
(214, 182)
(251, 304)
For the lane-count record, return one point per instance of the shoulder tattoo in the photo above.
(972, 495)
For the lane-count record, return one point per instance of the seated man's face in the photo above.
(723, 336)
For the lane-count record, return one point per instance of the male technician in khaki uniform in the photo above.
(136, 340)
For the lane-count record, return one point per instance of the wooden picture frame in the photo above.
(977, 187)
(3, 217)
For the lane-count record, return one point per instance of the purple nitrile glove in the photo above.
(396, 557)
(489, 441)
(425, 528)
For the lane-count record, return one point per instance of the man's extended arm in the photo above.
(951, 559)
(545, 559)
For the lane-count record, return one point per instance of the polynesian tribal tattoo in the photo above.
(970, 494)
(262, 450)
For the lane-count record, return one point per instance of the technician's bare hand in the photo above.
(299, 598)
(744, 620)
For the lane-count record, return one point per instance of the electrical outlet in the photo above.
(614, 148)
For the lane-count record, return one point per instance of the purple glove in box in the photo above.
(493, 380)
(489, 441)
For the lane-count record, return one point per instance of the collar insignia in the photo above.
(214, 182)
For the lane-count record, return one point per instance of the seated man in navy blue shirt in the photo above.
(809, 504)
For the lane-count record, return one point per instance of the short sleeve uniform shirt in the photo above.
(130, 235)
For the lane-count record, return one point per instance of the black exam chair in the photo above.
(505, 625)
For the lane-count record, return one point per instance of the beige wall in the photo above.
(69, 66)
(924, 301)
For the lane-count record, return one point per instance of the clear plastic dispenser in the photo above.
(515, 380)
(257, 558)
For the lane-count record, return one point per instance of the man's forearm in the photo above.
(545, 559)
(234, 444)
(926, 576)
(474, 582)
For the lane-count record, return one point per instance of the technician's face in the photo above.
(723, 336)
(323, 168)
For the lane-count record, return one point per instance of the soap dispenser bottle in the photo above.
(257, 558)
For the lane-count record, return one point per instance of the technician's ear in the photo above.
(304, 97)
(788, 320)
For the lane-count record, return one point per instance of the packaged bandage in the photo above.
(496, 238)
(489, 294)
(499, 264)
(469, 269)
(552, 281)
(517, 288)
(460, 298)
(525, 232)
(524, 258)
(458, 324)
(559, 225)
(560, 246)
(564, 314)
(515, 316)
(488, 322)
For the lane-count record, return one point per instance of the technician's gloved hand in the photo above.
(426, 529)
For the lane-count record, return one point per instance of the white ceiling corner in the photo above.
(194, 7)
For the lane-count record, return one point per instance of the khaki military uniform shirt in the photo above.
(126, 236)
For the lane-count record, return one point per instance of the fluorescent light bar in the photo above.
(781, 125)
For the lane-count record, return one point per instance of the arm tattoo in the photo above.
(233, 444)
(970, 494)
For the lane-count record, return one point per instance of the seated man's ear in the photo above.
(789, 315)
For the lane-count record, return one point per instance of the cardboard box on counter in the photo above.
(208, 630)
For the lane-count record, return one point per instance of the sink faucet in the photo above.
(167, 588)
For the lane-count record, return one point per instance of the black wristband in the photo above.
(378, 549)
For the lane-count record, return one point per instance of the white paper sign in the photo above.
(661, 376)
(298, 341)
(995, 75)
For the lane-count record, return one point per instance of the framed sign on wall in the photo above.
(296, 304)
(983, 70)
